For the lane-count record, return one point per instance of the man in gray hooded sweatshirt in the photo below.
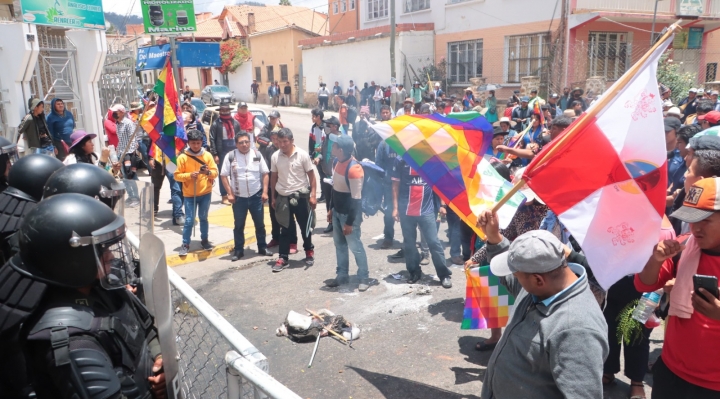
(555, 343)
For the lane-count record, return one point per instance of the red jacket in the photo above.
(246, 121)
(110, 129)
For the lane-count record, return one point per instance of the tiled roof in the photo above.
(210, 28)
(137, 29)
(274, 17)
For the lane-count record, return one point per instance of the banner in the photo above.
(78, 14)
(168, 16)
(152, 57)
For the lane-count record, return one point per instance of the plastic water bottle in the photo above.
(647, 305)
(113, 153)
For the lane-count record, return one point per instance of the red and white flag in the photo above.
(607, 180)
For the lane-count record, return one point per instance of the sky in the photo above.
(215, 6)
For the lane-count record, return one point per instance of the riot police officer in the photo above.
(83, 178)
(83, 334)
(25, 188)
(8, 156)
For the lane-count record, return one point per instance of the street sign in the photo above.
(78, 14)
(168, 16)
(152, 57)
(189, 55)
(198, 55)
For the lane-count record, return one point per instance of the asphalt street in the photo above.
(411, 345)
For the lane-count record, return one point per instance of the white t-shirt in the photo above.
(245, 172)
(292, 171)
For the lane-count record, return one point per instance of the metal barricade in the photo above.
(216, 360)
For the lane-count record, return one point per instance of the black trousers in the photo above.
(157, 176)
(325, 189)
(637, 353)
(667, 385)
(301, 213)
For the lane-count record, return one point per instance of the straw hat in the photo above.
(505, 119)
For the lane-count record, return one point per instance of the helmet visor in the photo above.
(115, 264)
(11, 152)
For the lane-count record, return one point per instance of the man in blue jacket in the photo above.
(61, 124)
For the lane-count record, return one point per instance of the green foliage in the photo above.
(629, 330)
(669, 74)
(437, 72)
(285, 3)
(232, 54)
(51, 14)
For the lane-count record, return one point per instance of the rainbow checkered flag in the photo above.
(165, 126)
(487, 303)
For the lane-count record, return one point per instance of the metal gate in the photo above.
(55, 73)
(118, 82)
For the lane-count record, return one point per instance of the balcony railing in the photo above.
(641, 6)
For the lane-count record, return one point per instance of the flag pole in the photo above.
(590, 114)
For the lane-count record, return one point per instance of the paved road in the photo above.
(411, 344)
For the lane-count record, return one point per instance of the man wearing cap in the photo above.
(555, 342)
(438, 91)
(709, 119)
(553, 106)
(247, 122)
(126, 145)
(688, 366)
(576, 95)
(674, 111)
(222, 141)
(688, 105)
(505, 124)
(325, 160)
(714, 98)
(521, 114)
(346, 214)
(407, 108)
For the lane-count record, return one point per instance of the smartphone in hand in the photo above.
(709, 283)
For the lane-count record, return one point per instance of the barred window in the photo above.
(377, 9)
(352, 4)
(343, 6)
(283, 73)
(527, 54)
(608, 54)
(465, 60)
(270, 74)
(257, 74)
(335, 7)
(416, 5)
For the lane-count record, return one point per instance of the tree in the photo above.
(110, 30)
(285, 3)
(232, 54)
(669, 74)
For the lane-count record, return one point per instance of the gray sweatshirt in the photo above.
(553, 351)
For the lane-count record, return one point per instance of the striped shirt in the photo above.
(125, 130)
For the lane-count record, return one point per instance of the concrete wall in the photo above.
(240, 80)
(363, 60)
(19, 59)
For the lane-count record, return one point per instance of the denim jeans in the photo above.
(454, 233)
(378, 103)
(203, 206)
(176, 195)
(428, 228)
(240, 208)
(388, 207)
(343, 242)
(130, 185)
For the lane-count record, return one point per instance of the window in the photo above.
(416, 5)
(270, 74)
(608, 54)
(343, 6)
(710, 71)
(145, 78)
(258, 77)
(527, 54)
(283, 73)
(465, 60)
(352, 4)
(335, 7)
(377, 9)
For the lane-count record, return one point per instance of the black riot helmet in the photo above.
(8, 148)
(30, 173)
(83, 178)
(72, 240)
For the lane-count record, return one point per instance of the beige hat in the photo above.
(469, 89)
(569, 113)
(674, 111)
(505, 119)
(409, 100)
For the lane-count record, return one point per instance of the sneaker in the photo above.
(132, 203)
(337, 281)
(364, 285)
(205, 244)
(328, 229)
(183, 251)
(274, 243)
(237, 255)
(386, 244)
(321, 200)
(293, 249)
(397, 255)
(414, 278)
(179, 221)
(265, 252)
(446, 283)
(279, 265)
(425, 259)
(310, 257)
(457, 260)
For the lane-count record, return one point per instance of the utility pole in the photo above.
(392, 39)
(652, 30)
(176, 70)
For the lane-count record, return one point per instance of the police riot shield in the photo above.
(154, 276)
(137, 207)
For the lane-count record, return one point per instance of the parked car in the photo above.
(215, 94)
(211, 114)
(199, 105)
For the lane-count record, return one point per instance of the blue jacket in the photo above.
(60, 126)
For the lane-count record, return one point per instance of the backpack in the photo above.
(370, 198)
